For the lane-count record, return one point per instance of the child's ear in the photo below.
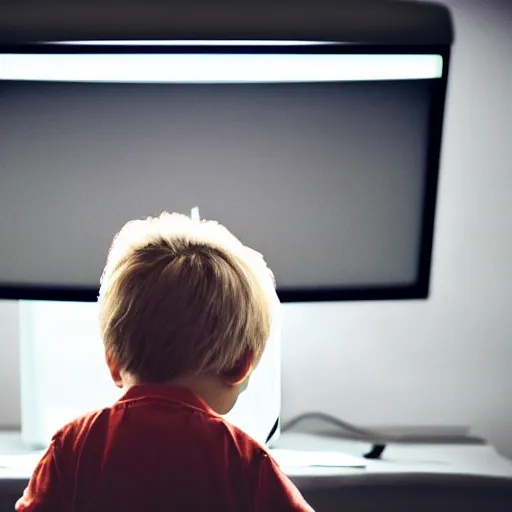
(240, 371)
(114, 370)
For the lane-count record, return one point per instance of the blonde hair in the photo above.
(181, 296)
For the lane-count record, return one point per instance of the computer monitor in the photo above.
(324, 157)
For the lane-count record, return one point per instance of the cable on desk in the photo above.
(370, 435)
(327, 418)
(376, 438)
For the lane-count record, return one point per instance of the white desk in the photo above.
(470, 458)
(418, 477)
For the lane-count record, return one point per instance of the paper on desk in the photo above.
(24, 461)
(309, 459)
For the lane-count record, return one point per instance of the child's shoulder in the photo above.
(81, 425)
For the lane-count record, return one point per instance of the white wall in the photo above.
(449, 359)
(444, 361)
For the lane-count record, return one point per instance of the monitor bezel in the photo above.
(418, 290)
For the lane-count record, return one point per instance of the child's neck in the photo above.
(219, 395)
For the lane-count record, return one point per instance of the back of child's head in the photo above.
(179, 297)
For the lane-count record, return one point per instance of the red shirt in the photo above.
(159, 448)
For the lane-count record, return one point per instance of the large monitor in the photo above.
(322, 156)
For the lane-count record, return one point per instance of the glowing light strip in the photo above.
(182, 42)
(217, 68)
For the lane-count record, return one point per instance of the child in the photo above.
(185, 312)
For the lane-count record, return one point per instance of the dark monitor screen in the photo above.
(322, 157)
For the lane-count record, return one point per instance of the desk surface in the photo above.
(401, 463)
(422, 477)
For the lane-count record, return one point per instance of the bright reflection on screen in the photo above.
(217, 68)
